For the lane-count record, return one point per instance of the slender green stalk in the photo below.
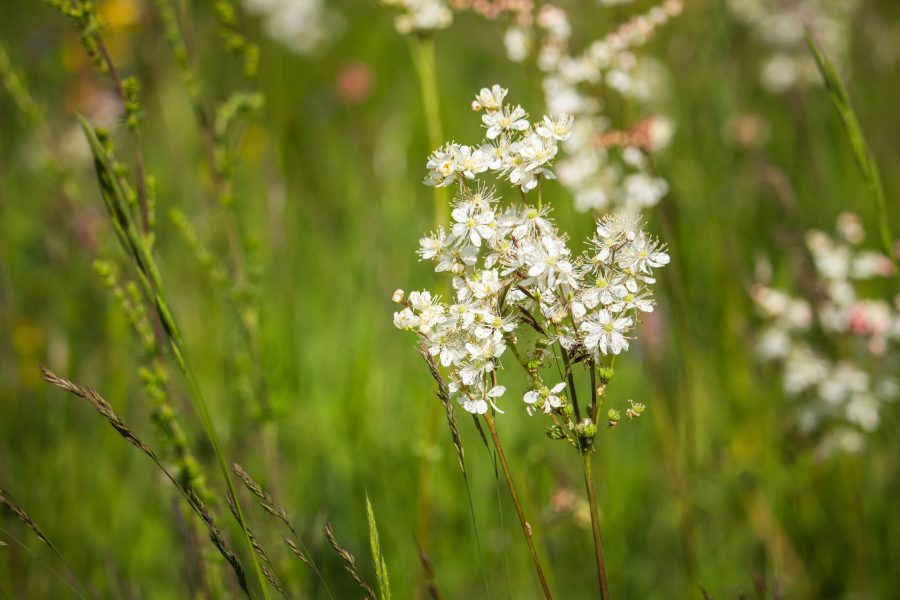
(571, 379)
(861, 152)
(526, 527)
(595, 525)
(595, 408)
(423, 57)
(137, 247)
(381, 572)
(422, 50)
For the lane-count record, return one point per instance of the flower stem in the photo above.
(571, 379)
(422, 50)
(526, 527)
(595, 525)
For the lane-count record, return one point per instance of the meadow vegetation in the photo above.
(667, 314)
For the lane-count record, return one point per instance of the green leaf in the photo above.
(864, 159)
(381, 572)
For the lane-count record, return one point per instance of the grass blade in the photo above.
(7, 501)
(381, 572)
(115, 196)
(864, 159)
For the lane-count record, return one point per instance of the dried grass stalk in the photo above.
(443, 394)
(349, 562)
(189, 493)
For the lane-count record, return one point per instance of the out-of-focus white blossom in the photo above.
(299, 25)
(420, 15)
(838, 349)
(597, 168)
(779, 25)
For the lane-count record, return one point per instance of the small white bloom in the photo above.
(559, 128)
(504, 120)
(490, 99)
(606, 333)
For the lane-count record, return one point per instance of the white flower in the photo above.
(432, 245)
(485, 284)
(479, 405)
(628, 300)
(442, 165)
(549, 260)
(643, 255)
(472, 224)
(512, 266)
(504, 120)
(470, 161)
(490, 99)
(405, 319)
(537, 151)
(420, 15)
(548, 399)
(299, 25)
(559, 128)
(605, 332)
(599, 291)
(518, 43)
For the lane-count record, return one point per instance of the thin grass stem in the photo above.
(526, 527)
(595, 525)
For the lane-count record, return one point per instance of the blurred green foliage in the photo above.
(707, 489)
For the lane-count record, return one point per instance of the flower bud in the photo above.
(555, 432)
(613, 415)
(606, 373)
(636, 410)
(398, 296)
(586, 429)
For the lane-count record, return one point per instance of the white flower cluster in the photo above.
(513, 149)
(779, 24)
(839, 348)
(609, 172)
(299, 25)
(420, 15)
(511, 267)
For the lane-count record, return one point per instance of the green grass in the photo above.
(329, 198)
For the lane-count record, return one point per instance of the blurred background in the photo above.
(324, 401)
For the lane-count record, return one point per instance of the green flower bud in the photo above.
(555, 432)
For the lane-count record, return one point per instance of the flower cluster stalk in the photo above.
(526, 527)
(595, 525)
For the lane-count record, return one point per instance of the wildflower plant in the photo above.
(518, 289)
(838, 348)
